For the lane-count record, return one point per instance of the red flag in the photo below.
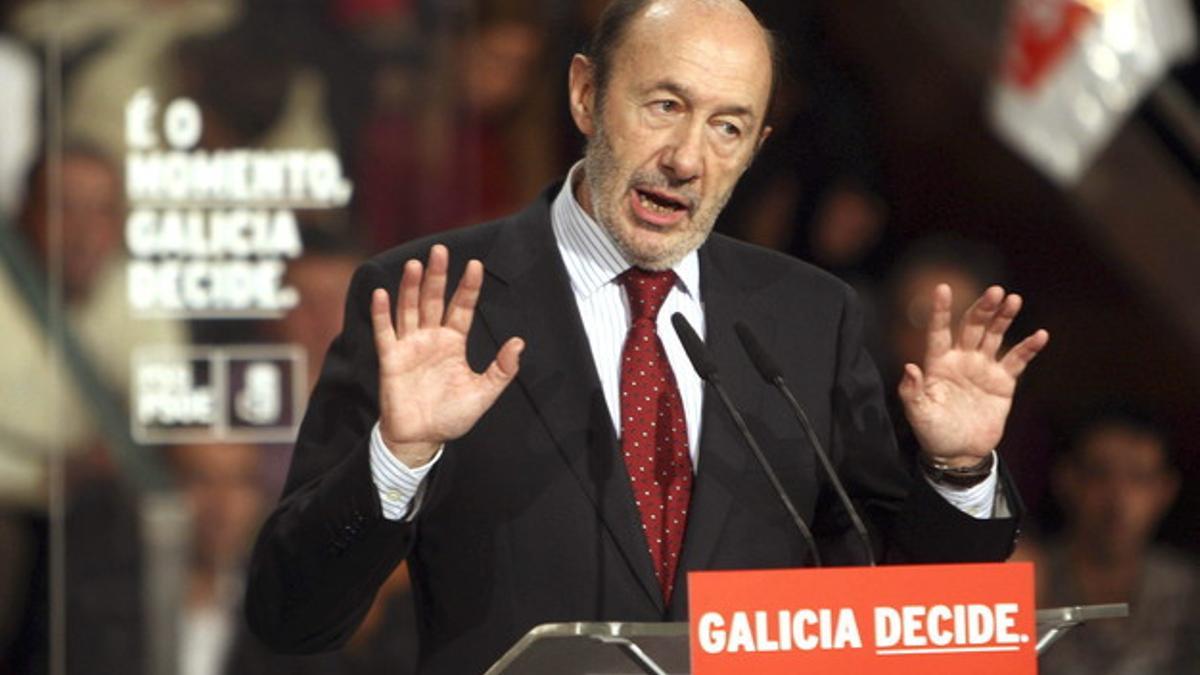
(1074, 69)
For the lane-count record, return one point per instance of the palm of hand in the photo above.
(958, 404)
(428, 393)
(440, 395)
(963, 405)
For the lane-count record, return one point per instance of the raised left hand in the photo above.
(958, 400)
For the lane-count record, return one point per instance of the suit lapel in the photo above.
(528, 294)
(723, 456)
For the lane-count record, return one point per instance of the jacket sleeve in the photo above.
(325, 550)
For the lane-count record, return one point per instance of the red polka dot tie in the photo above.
(654, 437)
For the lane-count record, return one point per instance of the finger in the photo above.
(911, 383)
(939, 340)
(978, 316)
(1017, 358)
(433, 287)
(407, 318)
(461, 309)
(994, 337)
(381, 321)
(505, 366)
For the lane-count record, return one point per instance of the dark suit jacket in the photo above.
(529, 518)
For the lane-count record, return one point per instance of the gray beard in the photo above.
(600, 172)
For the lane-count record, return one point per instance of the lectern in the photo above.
(662, 648)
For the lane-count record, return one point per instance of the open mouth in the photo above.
(658, 208)
(659, 202)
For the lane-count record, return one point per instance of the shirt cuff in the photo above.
(400, 488)
(979, 501)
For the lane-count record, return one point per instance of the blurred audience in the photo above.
(225, 496)
(1115, 483)
(44, 412)
(37, 413)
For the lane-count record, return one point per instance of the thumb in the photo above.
(506, 364)
(911, 383)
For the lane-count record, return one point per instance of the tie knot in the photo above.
(647, 290)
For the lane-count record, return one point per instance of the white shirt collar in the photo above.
(591, 256)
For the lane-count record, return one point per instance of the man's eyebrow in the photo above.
(686, 94)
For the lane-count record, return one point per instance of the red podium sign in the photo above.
(909, 620)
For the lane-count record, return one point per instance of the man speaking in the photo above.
(539, 447)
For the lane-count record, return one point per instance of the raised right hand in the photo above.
(428, 393)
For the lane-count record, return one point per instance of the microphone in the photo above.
(707, 370)
(773, 374)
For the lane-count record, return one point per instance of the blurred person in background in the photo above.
(815, 192)
(112, 48)
(1115, 483)
(453, 160)
(968, 266)
(42, 416)
(237, 110)
(263, 81)
(222, 492)
(90, 267)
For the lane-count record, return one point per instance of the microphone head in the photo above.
(694, 346)
(763, 363)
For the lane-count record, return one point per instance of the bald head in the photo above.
(729, 17)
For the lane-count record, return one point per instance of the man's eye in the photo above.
(729, 129)
(666, 106)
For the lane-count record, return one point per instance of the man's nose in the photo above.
(684, 157)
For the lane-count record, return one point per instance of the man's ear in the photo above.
(762, 138)
(581, 84)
